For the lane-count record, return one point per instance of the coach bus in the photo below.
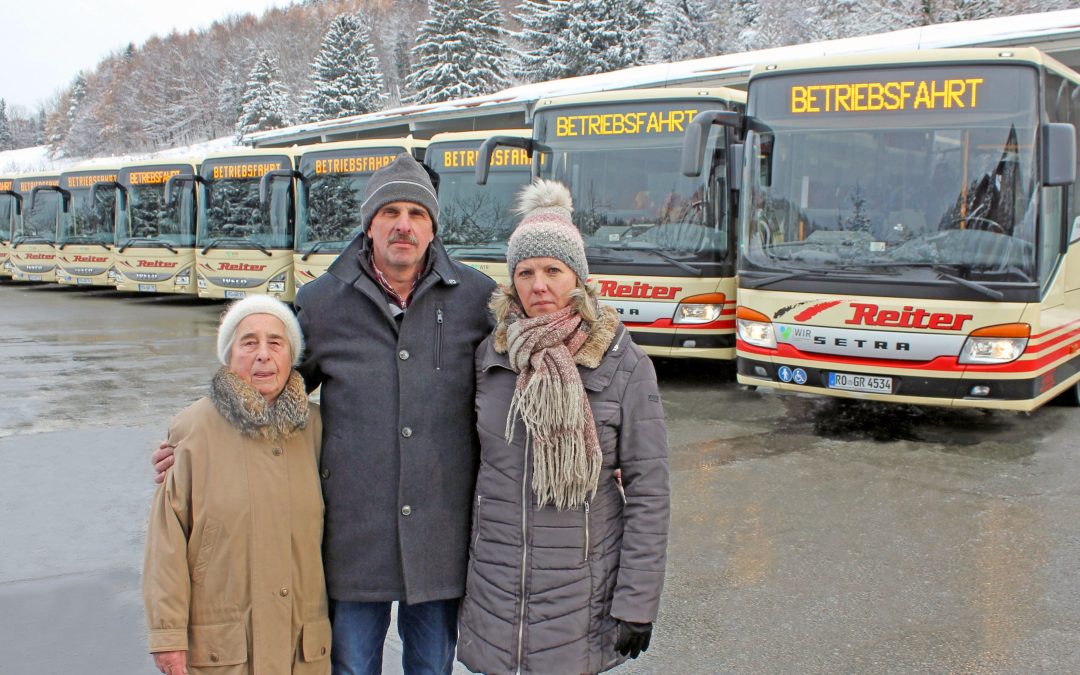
(660, 245)
(331, 181)
(244, 246)
(84, 237)
(475, 220)
(155, 226)
(10, 209)
(32, 256)
(910, 230)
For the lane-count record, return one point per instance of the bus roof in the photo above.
(164, 161)
(911, 57)
(406, 142)
(90, 168)
(458, 136)
(725, 93)
(238, 153)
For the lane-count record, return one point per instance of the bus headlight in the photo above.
(277, 284)
(201, 282)
(182, 278)
(111, 274)
(755, 328)
(698, 309)
(995, 344)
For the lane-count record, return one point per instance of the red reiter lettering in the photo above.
(908, 317)
(613, 289)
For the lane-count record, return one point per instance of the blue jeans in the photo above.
(428, 633)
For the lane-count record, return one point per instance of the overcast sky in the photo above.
(44, 44)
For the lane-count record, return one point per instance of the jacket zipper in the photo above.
(438, 338)
(476, 541)
(524, 551)
(586, 530)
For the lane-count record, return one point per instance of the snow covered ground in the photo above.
(37, 158)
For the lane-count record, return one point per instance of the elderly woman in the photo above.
(567, 559)
(233, 577)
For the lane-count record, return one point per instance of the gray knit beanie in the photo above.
(402, 180)
(546, 230)
(258, 304)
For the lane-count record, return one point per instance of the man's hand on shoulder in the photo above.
(162, 459)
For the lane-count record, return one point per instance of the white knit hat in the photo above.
(546, 230)
(258, 304)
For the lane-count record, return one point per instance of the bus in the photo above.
(475, 220)
(10, 208)
(84, 236)
(32, 255)
(909, 229)
(660, 245)
(332, 180)
(155, 226)
(244, 246)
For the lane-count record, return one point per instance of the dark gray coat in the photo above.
(399, 441)
(578, 570)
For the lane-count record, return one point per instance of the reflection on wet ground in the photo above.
(808, 534)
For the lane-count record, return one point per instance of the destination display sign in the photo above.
(899, 91)
(638, 119)
(85, 180)
(242, 169)
(152, 175)
(28, 184)
(354, 163)
(463, 157)
(7, 184)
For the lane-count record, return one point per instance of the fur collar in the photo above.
(601, 334)
(246, 409)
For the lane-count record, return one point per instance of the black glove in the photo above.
(633, 638)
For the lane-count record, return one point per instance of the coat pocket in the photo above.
(222, 644)
(210, 534)
(315, 640)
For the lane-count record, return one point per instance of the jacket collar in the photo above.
(355, 261)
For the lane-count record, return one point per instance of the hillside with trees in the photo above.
(323, 59)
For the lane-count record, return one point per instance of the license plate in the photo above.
(83, 280)
(35, 277)
(235, 294)
(147, 288)
(874, 384)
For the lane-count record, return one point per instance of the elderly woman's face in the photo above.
(543, 285)
(261, 354)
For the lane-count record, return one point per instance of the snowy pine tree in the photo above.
(605, 35)
(459, 52)
(682, 31)
(346, 79)
(7, 140)
(542, 23)
(265, 101)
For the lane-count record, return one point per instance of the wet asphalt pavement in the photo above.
(808, 536)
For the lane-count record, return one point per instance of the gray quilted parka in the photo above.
(544, 587)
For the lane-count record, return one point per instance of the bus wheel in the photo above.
(1070, 397)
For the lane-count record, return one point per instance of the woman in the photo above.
(233, 577)
(566, 562)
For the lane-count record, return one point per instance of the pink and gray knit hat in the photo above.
(546, 230)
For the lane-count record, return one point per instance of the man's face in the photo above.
(400, 233)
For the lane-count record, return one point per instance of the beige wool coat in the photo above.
(233, 571)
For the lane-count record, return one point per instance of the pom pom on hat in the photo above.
(258, 304)
(546, 230)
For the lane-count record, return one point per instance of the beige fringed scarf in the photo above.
(549, 396)
(247, 410)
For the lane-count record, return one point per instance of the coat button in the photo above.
(214, 657)
(403, 354)
(284, 592)
(406, 432)
(326, 473)
(276, 451)
(323, 650)
(406, 510)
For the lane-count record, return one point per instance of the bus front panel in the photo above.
(84, 251)
(32, 254)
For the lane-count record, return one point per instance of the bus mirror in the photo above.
(1059, 154)
(697, 133)
(735, 163)
(268, 177)
(433, 175)
(17, 197)
(483, 159)
(65, 196)
(179, 179)
(101, 185)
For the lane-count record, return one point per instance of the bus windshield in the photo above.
(905, 167)
(149, 217)
(88, 223)
(39, 222)
(7, 213)
(232, 216)
(622, 164)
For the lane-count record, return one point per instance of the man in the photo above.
(391, 329)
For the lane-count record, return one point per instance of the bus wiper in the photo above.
(943, 271)
(146, 240)
(660, 254)
(29, 239)
(81, 239)
(215, 243)
(768, 281)
(319, 244)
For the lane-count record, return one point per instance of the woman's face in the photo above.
(543, 285)
(261, 354)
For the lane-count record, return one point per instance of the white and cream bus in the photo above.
(244, 246)
(661, 246)
(910, 229)
(32, 254)
(332, 179)
(475, 220)
(10, 209)
(155, 226)
(84, 237)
